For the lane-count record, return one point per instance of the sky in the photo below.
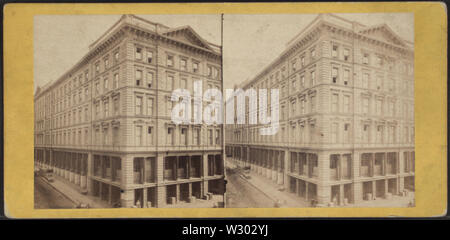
(251, 42)
(60, 41)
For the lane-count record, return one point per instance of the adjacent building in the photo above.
(105, 125)
(346, 115)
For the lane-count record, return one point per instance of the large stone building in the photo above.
(105, 124)
(346, 115)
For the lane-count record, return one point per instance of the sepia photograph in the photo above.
(225, 110)
(343, 114)
(103, 132)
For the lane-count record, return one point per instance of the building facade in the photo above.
(346, 115)
(105, 125)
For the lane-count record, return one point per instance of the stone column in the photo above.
(357, 192)
(144, 198)
(127, 199)
(341, 194)
(90, 173)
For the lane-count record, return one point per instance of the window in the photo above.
(170, 136)
(169, 108)
(209, 73)
(210, 136)
(150, 107)
(138, 135)
(346, 54)
(313, 78)
(379, 107)
(86, 114)
(334, 133)
(334, 102)
(365, 58)
(365, 80)
(106, 63)
(183, 63)
(149, 56)
(334, 74)
(116, 80)
(116, 106)
(86, 76)
(293, 65)
(334, 52)
(149, 79)
(346, 133)
(115, 136)
(302, 81)
(313, 53)
(195, 67)
(86, 92)
(138, 53)
(183, 136)
(346, 104)
(294, 83)
(313, 104)
(116, 57)
(217, 137)
(379, 82)
(302, 59)
(106, 108)
(97, 68)
(183, 83)
(169, 61)
(150, 136)
(346, 76)
(215, 72)
(197, 136)
(138, 77)
(391, 135)
(105, 136)
(366, 133)
(169, 82)
(105, 84)
(312, 129)
(379, 61)
(379, 134)
(293, 108)
(97, 88)
(406, 135)
(302, 106)
(365, 105)
(138, 105)
(391, 109)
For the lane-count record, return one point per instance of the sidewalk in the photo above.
(271, 189)
(73, 192)
(199, 203)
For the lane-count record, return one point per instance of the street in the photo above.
(241, 194)
(46, 197)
